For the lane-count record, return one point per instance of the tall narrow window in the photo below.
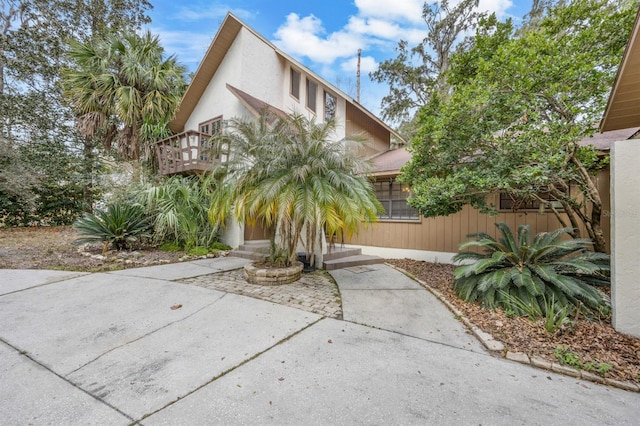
(295, 84)
(329, 106)
(312, 91)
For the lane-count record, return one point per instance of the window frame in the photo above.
(330, 95)
(388, 215)
(312, 106)
(295, 93)
(207, 128)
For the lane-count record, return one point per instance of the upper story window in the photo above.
(211, 127)
(295, 84)
(312, 91)
(393, 197)
(330, 103)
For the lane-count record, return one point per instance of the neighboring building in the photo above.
(623, 110)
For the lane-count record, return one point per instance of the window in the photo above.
(393, 197)
(295, 84)
(513, 202)
(329, 106)
(211, 127)
(312, 91)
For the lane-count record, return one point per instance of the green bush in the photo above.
(179, 208)
(120, 225)
(170, 246)
(549, 268)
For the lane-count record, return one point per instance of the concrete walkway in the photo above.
(135, 346)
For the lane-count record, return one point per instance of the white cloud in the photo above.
(500, 7)
(189, 47)
(305, 37)
(213, 11)
(367, 64)
(402, 10)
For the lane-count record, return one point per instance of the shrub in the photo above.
(533, 272)
(179, 207)
(120, 225)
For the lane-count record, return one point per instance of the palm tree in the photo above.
(124, 90)
(286, 172)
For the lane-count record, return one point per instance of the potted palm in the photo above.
(287, 172)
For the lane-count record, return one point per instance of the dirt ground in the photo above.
(594, 344)
(587, 342)
(53, 248)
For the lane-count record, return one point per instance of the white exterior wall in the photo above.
(291, 104)
(625, 236)
(255, 68)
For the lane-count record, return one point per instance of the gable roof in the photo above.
(623, 107)
(221, 43)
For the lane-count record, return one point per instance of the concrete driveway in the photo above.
(135, 346)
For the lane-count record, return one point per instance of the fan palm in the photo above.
(123, 89)
(550, 267)
(286, 171)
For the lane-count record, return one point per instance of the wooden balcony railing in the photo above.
(187, 152)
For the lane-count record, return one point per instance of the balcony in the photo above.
(185, 153)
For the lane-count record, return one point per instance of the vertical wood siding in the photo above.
(444, 234)
(357, 122)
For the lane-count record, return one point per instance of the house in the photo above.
(241, 74)
(623, 111)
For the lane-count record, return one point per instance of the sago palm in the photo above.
(287, 172)
(122, 88)
(551, 267)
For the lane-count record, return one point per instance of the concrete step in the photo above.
(340, 252)
(248, 254)
(257, 246)
(346, 262)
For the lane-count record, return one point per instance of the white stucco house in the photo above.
(241, 74)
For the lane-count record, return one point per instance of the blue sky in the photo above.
(325, 35)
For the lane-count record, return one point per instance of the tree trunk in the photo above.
(88, 161)
(592, 223)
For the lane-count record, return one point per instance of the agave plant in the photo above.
(551, 267)
(120, 225)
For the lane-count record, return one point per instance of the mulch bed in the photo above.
(589, 341)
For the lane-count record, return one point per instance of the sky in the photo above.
(324, 35)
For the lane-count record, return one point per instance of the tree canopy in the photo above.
(520, 100)
(419, 71)
(34, 120)
(123, 88)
